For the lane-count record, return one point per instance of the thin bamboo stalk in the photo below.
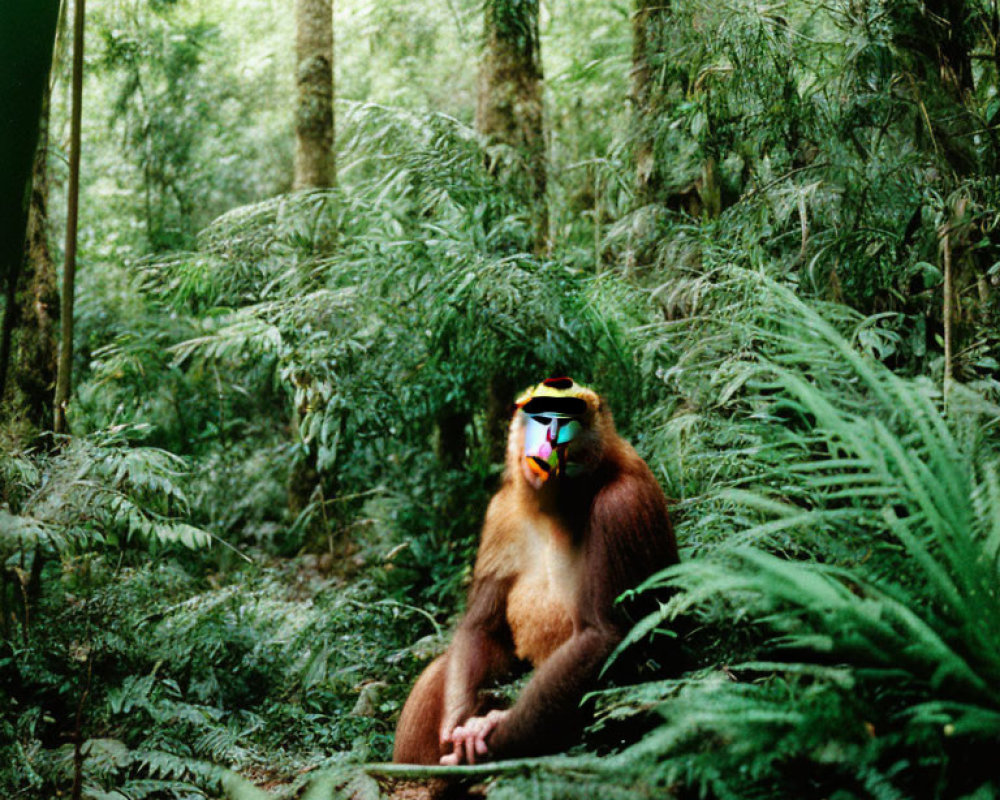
(64, 375)
(948, 311)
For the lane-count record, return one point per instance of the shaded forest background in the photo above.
(767, 233)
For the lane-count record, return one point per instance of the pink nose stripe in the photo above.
(545, 451)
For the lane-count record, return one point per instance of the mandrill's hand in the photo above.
(469, 739)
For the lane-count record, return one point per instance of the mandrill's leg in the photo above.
(418, 732)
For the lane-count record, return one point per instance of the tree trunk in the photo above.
(449, 441)
(315, 167)
(499, 404)
(954, 48)
(509, 105)
(27, 36)
(35, 354)
(64, 377)
(509, 112)
(939, 34)
(647, 20)
(303, 480)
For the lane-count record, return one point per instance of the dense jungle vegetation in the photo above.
(767, 232)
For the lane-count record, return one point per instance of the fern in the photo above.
(911, 620)
(101, 489)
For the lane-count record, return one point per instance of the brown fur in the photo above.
(550, 566)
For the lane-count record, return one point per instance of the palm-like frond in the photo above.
(913, 617)
(102, 488)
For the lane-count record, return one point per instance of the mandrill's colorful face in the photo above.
(555, 417)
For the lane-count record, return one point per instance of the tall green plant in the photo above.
(881, 672)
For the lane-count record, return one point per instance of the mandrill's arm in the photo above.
(480, 652)
(548, 717)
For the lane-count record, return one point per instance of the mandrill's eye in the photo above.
(542, 420)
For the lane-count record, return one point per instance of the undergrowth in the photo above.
(164, 678)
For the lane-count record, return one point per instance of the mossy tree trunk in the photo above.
(509, 104)
(499, 405)
(450, 440)
(27, 36)
(510, 113)
(950, 41)
(35, 351)
(315, 167)
(939, 35)
(651, 21)
(647, 19)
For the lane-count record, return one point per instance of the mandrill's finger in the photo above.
(450, 760)
(463, 740)
(486, 727)
(470, 750)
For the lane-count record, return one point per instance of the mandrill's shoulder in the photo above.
(629, 518)
(625, 479)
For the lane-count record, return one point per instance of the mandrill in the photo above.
(579, 520)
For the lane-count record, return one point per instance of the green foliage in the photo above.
(832, 140)
(68, 518)
(175, 678)
(101, 490)
(390, 306)
(176, 106)
(838, 519)
(896, 504)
